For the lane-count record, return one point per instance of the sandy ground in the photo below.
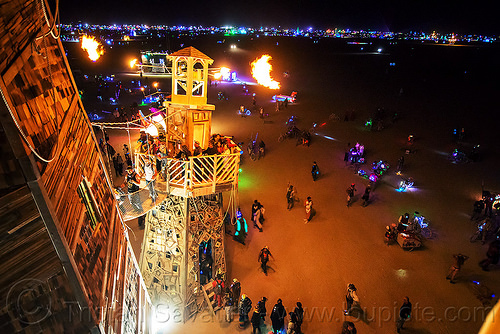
(315, 262)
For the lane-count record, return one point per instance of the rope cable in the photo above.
(56, 22)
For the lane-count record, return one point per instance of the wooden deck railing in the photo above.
(199, 175)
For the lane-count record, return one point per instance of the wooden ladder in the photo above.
(209, 294)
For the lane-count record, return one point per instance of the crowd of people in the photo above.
(234, 302)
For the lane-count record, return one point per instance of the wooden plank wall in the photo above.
(39, 89)
(35, 295)
(11, 176)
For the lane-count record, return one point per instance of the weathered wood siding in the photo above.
(41, 112)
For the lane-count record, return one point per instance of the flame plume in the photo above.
(92, 46)
(261, 71)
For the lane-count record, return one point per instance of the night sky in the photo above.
(477, 17)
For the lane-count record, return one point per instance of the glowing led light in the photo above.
(224, 74)
(152, 130)
(132, 63)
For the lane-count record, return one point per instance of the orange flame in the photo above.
(92, 46)
(261, 71)
(223, 73)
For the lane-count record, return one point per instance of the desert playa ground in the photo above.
(433, 89)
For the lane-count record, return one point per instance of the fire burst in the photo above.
(261, 71)
(92, 46)
(223, 74)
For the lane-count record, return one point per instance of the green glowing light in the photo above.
(244, 181)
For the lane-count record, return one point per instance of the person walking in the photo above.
(264, 256)
(257, 214)
(458, 261)
(278, 317)
(290, 197)
(366, 195)
(256, 320)
(404, 314)
(308, 204)
(351, 297)
(299, 313)
(315, 171)
(241, 228)
(350, 193)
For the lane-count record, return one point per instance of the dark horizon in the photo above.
(465, 18)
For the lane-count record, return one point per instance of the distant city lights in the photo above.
(126, 33)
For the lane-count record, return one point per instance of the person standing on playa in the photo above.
(308, 204)
(236, 289)
(401, 162)
(257, 214)
(256, 320)
(366, 195)
(290, 197)
(299, 312)
(315, 171)
(278, 315)
(458, 261)
(244, 307)
(478, 209)
(404, 314)
(228, 305)
(219, 290)
(350, 297)
(348, 327)
(261, 304)
(346, 153)
(350, 193)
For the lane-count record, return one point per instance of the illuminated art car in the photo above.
(292, 98)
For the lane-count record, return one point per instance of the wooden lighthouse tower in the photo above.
(187, 228)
